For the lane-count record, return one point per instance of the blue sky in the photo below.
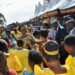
(18, 10)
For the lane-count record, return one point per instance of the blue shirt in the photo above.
(27, 73)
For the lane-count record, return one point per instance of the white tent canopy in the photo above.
(61, 4)
(71, 4)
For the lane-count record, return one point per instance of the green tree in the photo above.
(2, 19)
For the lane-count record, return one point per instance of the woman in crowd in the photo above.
(3, 65)
(4, 70)
(12, 60)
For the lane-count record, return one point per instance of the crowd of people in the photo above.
(41, 48)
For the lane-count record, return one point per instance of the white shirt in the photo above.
(72, 32)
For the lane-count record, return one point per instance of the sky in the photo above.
(18, 10)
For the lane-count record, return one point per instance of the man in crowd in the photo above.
(69, 44)
(60, 33)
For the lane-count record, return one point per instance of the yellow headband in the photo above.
(51, 53)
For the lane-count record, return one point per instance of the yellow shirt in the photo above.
(45, 21)
(18, 35)
(39, 71)
(13, 62)
(70, 61)
(23, 58)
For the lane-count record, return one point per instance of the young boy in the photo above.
(34, 59)
(20, 44)
(22, 55)
(51, 58)
(69, 44)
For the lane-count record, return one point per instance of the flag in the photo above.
(45, 4)
(36, 7)
(39, 7)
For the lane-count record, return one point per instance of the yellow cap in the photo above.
(51, 52)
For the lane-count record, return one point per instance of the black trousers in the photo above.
(63, 54)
